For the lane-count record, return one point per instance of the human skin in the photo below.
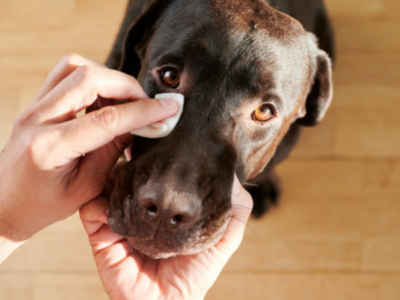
(55, 162)
(128, 275)
(50, 168)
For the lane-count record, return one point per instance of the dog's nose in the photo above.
(174, 210)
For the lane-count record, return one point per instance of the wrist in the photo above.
(12, 234)
(8, 233)
(7, 247)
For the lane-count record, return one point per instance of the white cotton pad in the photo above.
(163, 128)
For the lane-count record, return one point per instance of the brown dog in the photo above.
(251, 76)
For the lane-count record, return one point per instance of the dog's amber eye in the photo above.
(263, 113)
(171, 78)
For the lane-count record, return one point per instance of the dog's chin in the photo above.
(151, 249)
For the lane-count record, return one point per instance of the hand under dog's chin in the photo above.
(197, 244)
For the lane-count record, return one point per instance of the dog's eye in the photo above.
(171, 78)
(263, 114)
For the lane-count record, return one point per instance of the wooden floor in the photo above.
(336, 235)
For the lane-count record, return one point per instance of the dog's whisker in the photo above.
(248, 227)
(209, 252)
(208, 257)
(241, 207)
(251, 184)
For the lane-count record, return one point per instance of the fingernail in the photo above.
(158, 125)
(169, 102)
(236, 191)
(236, 188)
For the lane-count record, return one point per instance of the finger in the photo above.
(92, 131)
(242, 205)
(100, 103)
(93, 177)
(94, 214)
(95, 106)
(103, 102)
(104, 238)
(68, 64)
(128, 153)
(81, 89)
(114, 256)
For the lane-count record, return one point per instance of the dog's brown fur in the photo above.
(232, 56)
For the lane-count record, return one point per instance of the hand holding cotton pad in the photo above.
(163, 128)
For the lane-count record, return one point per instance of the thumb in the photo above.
(242, 205)
(96, 166)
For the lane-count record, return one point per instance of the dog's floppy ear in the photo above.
(321, 93)
(138, 36)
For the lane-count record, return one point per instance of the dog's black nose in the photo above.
(171, 208)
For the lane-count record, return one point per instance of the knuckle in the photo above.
(40, 146)
(85, 73)
(34, 148)
(85, 76)
(107, 116)
(23, 120)
(70, 59)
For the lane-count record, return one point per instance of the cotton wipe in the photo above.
(163, 128)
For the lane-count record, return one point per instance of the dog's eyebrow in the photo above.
(275, 99)
(171, 59)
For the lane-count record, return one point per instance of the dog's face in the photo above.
(247, 73)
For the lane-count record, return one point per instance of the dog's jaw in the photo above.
(154, 238)
(161, 244)
(195, 245)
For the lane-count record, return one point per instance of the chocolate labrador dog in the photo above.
(252, 74)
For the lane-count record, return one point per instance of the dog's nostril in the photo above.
(152, 211)
(150, 208)
(176, 220)
(172, 210)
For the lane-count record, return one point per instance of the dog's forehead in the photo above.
(234, 18)
(279, 41)
(250, 37)
(257, 14)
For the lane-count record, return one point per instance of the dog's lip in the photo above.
(153, 254)
(141, 239)
(194, 244)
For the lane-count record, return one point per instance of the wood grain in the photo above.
(316, 286)
(336, 233)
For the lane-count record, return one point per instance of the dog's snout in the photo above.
(170, 209)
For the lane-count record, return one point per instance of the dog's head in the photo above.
(247, 73)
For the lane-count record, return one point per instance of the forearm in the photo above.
(8, 241)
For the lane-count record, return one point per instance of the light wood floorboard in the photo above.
(336, 234)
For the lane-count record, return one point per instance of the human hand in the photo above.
(55, 162)
(129, 275)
